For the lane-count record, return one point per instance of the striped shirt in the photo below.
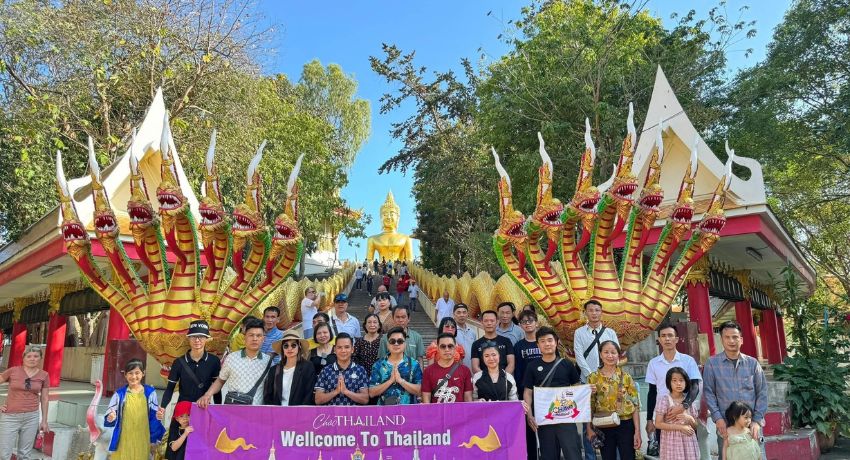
(726, 380)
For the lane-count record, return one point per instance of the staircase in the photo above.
(359, 299)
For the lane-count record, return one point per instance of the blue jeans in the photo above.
(589, 451)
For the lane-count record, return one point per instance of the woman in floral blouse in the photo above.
(366, 348)
(615, 392)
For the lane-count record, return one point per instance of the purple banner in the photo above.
(426, 431)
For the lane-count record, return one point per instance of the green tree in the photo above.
(568, 60)
(69, 70)
(74, 69)
(455, 202)
(790, 112)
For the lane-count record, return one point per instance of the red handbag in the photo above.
(44, 442)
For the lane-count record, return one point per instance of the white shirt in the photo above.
(307, 312)
(413, 290)
(358, 274)
(286, 386)
(656, 370)
(444, 308)
(465, 336)
(583, 338)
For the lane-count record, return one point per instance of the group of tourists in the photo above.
(388, 364)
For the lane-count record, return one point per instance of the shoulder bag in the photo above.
(442, 382)
(247, 399)
(551, 373)
(595, 342)
(191, 373)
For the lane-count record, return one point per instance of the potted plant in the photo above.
(816, 372)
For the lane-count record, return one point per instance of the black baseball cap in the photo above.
(199, 327)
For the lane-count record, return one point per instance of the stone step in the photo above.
(359, 299)
(777, 421)
(794, 444)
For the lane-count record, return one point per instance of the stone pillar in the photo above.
(744, 316)
(19, 344)
(770, 338)
(116, 330)
(56, 329)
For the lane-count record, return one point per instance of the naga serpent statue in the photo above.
(634, 301)
(159, 308)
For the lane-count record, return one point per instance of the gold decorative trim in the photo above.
(699, 273)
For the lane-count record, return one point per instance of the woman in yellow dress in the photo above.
(615, 392)
(133, 407)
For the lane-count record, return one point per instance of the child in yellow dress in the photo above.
(133, 407)
(739, 443)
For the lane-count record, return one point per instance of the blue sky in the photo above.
(442, 33)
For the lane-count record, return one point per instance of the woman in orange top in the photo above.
(448, 326)
(28, 389)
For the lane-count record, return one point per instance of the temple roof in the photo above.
(754, 239)
(38, 256)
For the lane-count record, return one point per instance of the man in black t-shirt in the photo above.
(554, 439)
(489, 319)
(204, 366)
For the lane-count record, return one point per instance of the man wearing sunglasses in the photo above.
(446, 381)
(397, 379)
(414, 347)
(525, 352)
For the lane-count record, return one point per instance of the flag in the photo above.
(562, 405)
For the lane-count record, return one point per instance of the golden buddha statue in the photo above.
(390, 244)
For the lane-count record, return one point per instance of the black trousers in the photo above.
(559, 439)
(620, 438)
(530, 443)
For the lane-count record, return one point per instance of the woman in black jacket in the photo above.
(293, 379)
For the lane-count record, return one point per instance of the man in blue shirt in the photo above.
(273, 334)
(343, 383)
(733, 376)
(506, 327)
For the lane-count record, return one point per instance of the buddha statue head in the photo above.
(389, 214)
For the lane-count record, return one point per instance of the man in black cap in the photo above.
(196, 370)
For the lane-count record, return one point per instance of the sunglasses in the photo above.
(395, 341)
(27, 383)
(446, 346)
(288, 345)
